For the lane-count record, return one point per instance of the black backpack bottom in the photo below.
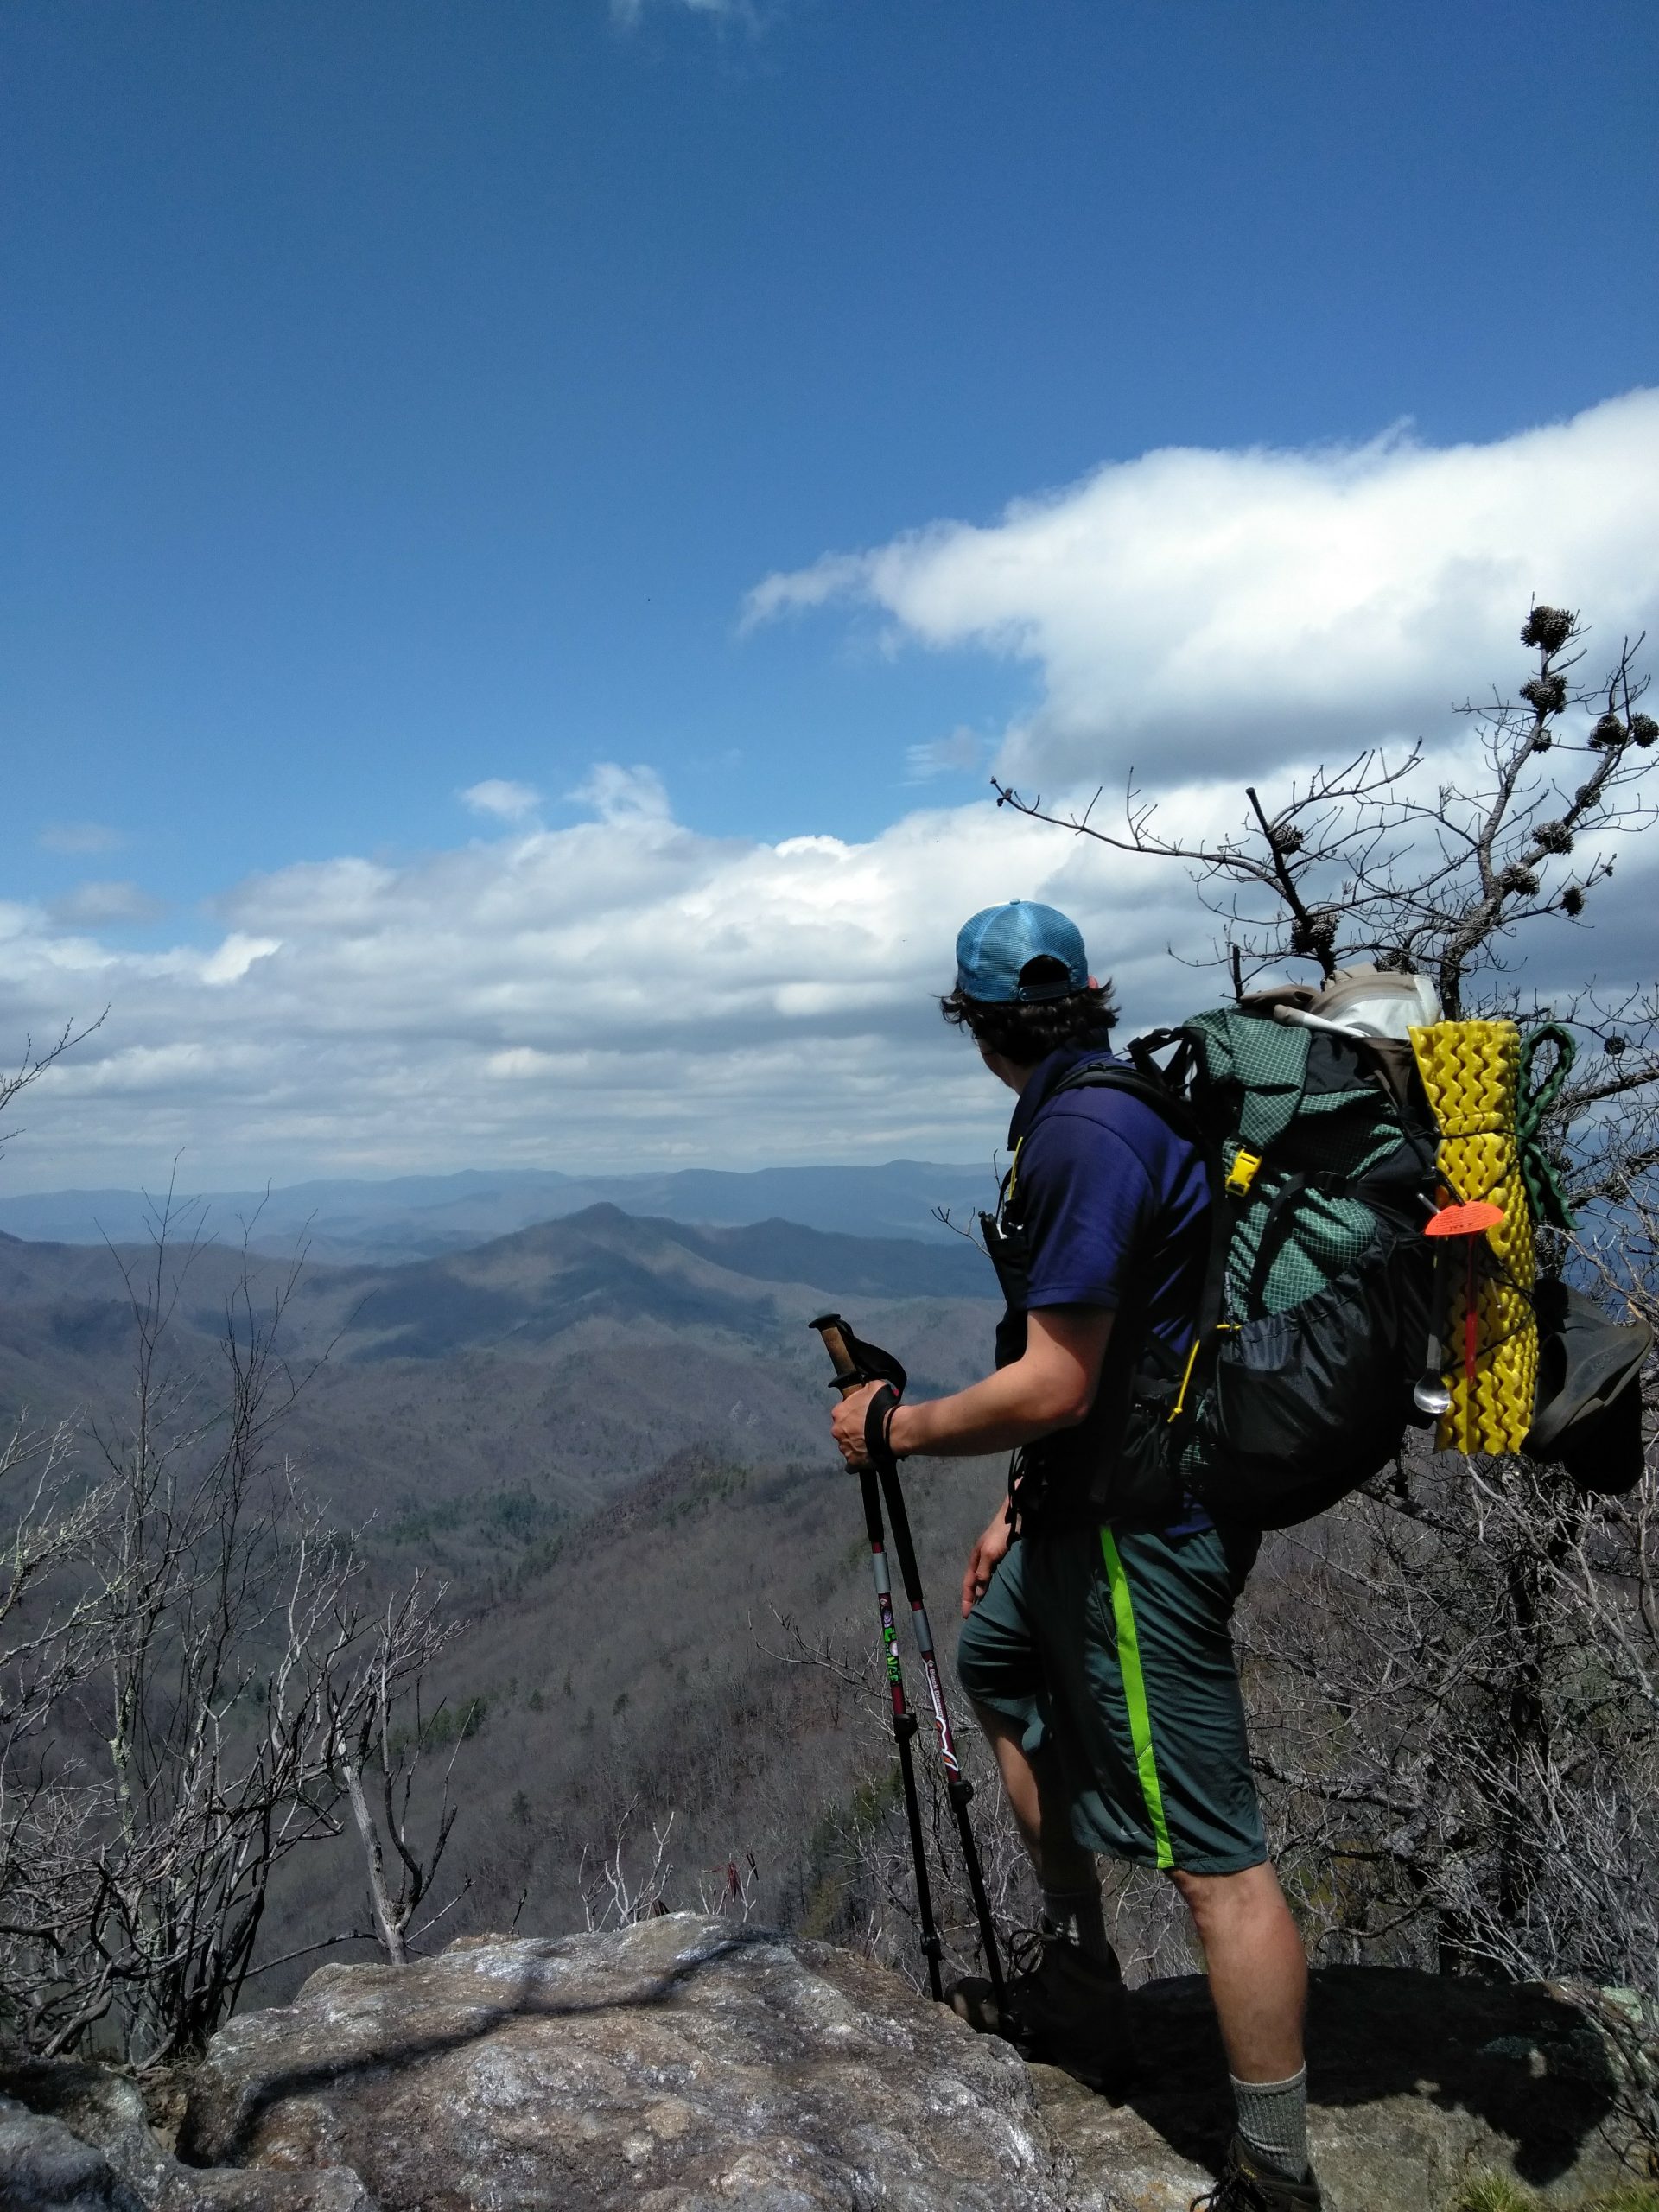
(1298, 1409)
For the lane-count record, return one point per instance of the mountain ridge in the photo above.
(572, 1355)
(378, 1219)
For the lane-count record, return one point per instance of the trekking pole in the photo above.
(856, 1364)
(849, 1375)
(958, 1787)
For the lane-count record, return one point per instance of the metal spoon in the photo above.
(1429, 1393)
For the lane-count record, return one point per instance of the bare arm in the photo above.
(1052, 1386)
(985, 1558)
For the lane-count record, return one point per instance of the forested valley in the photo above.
(349, 1607)
(600, 1447)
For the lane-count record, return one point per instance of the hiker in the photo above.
(1096, 1647)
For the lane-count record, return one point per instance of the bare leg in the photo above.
(1069, 2004)
(1258, 1969)
(1060, 1861)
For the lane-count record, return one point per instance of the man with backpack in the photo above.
(1098, 1648)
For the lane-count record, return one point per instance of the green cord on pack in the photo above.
(1544, 1192)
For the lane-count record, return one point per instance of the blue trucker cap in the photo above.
(999, 943)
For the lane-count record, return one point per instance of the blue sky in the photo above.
(404, 398)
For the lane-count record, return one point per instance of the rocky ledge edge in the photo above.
(690, 2064)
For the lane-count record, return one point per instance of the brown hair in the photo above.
(1027, 1031)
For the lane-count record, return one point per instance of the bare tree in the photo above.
(48, 1517)
(729, 1890)
(1377, 860)
(617, 1894)
(33, 1065)
(49, 1644)
(46, 1626)
(219, 1655)
(378, 1750)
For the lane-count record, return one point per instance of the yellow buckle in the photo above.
(1242, 1172)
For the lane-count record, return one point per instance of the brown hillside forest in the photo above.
(345, 1609)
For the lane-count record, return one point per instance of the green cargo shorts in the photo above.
(1112, 1649)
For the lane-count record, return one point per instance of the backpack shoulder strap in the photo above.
(1143, 1082)
(1146, 1081)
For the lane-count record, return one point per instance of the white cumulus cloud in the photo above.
(79, 838)
(626, 992)
(501, 800)
(629, 13)
(623, 794)
(238, 953)
(623, 992)
(95, 905)
(1179, 608)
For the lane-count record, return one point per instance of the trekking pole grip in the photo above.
(855, 1363)
(832, 1329)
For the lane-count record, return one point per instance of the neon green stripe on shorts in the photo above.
(1134, 1696)
(1111, 1652)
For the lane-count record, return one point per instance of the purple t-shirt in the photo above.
(1115, 1208)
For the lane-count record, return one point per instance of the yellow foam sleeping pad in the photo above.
(1470, 1071)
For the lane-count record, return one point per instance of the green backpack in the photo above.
(1314, 1312)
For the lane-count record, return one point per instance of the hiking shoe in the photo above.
(1246, 2187)
(1067, 2012)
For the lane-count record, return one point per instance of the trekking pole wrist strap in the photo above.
(878, 1419)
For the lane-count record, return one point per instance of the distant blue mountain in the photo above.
(423, 1217)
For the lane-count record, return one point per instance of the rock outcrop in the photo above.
(1418, 2086)
(687, 2064)
(684, 2063)
(42, 2163)
(75, 2137)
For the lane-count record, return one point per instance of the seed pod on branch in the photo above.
(1547, 627)
(1394, 861)
(1572, 900)
(1608, 734)
(1312, 935)
(1644, 729)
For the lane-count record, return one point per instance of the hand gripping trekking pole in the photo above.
(855, 1363)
